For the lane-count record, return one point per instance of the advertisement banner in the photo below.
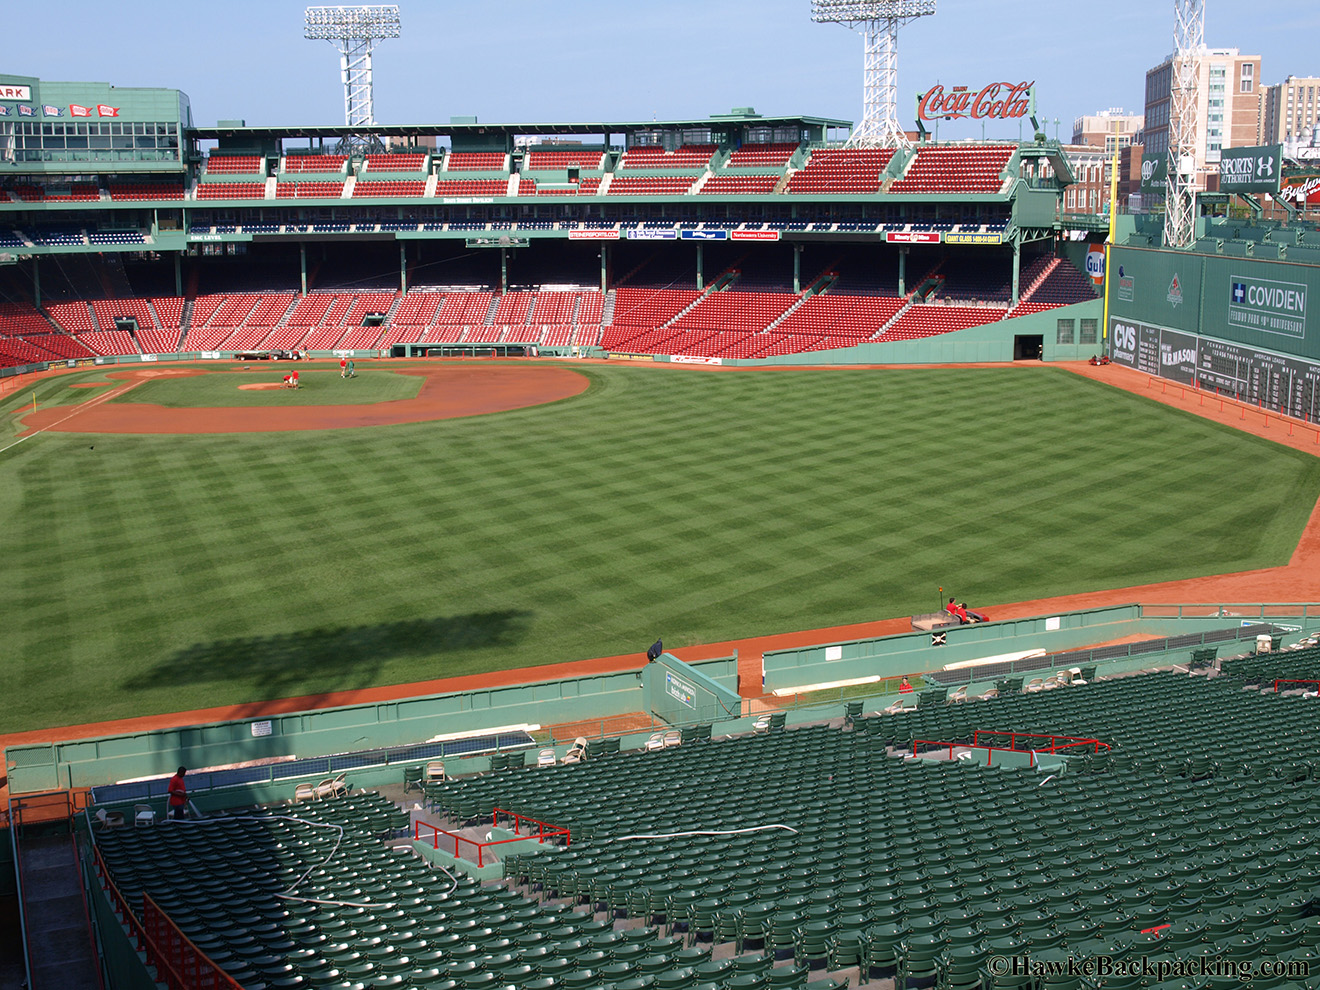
(1267, 305)
(913, 237)
(593, 235)
(652, 235)
(690, 359)
(1250, 170)
(1154, 172)
(1301, 190)
(997, 101)
(973, 238)
(1095, 264)
(705, 235)
(755, 235)
(15, 93)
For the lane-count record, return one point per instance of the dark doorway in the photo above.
(1028, 347)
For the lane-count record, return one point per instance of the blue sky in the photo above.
(542, 60)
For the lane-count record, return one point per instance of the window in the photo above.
(1248, 78)
(1065, 331)
(1086, 331)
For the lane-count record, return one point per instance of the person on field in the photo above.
(970, 616)
(351, 372)
(178, 795)
(343, 367)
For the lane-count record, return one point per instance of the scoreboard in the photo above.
(1289, 385)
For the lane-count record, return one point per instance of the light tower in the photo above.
(879, 21)
(354, 32)
(1180, 190)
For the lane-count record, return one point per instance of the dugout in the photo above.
(464, 350)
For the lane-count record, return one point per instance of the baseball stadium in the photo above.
(734, 552)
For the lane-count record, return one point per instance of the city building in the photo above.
(1106, 128)
(1289, 110)
(1090, 168)
(1227, 104)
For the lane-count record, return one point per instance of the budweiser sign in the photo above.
(997, 101)
(1301, 190)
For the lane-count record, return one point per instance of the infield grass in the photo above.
(315, 388)
(163, 573)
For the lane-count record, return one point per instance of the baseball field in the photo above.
(163, 568)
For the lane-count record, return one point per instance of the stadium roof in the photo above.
(470, 126)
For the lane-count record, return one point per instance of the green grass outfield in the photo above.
(162, 573)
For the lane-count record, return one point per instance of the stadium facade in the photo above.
(127, 231)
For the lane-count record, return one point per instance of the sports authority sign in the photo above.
(997, 101)
(1250, 170)
(1268, 306)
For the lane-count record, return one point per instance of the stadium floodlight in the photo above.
(354, 31)
(1180, 185)
(879, 21)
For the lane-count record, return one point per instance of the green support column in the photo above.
(302, 266)
(178, 273)
(604, 264)
(902, 271)
(701, 271)
(36, 283)
(797, 268)
(504, 270)
(1017, 268)
(403, 266)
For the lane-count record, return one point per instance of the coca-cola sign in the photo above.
(997, 101)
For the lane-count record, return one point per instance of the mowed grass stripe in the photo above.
(163, 573)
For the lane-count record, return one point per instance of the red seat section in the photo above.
(734, 310)
(235, 164)
(842, 170)
(405, 187)
(74, 317)
(651, 185)
(739, 185)
(586, 186)
(555, 161)
(300, 190)
(688, 156)
(928, 321)
(108, 309)
(471, 187)
(17, 319)
(477, 161)
(145, 190)
(513, 307)
(761, 155)
(841, 315)
(950, 169)
(315, 163)
(231, 190)
(69, 192)
(396, 163)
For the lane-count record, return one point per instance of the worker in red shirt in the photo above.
(178, 795)
(905, 687)
(343, 367)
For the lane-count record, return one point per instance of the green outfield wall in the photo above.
(1239, 325)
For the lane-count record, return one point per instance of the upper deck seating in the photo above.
(231, 190)
(323, 164)
(761, 155)
(651, 185)
(234, 164)
(556, 161)
(476, 161)
(128, 191)
(841, 170)
(300, 190)
(483, 188)
(953, 169)
(689, 156)
(389, 187)
(395, 163)
(739, 185)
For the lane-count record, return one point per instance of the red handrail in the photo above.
(459, 840)
(180, 965)
(1053, 747)
(1289, 680)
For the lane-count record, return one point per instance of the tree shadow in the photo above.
(330, 658)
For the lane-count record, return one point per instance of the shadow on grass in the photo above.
(328, 659)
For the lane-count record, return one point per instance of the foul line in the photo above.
(81, 407)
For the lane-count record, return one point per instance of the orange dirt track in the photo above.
(1296, 581)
